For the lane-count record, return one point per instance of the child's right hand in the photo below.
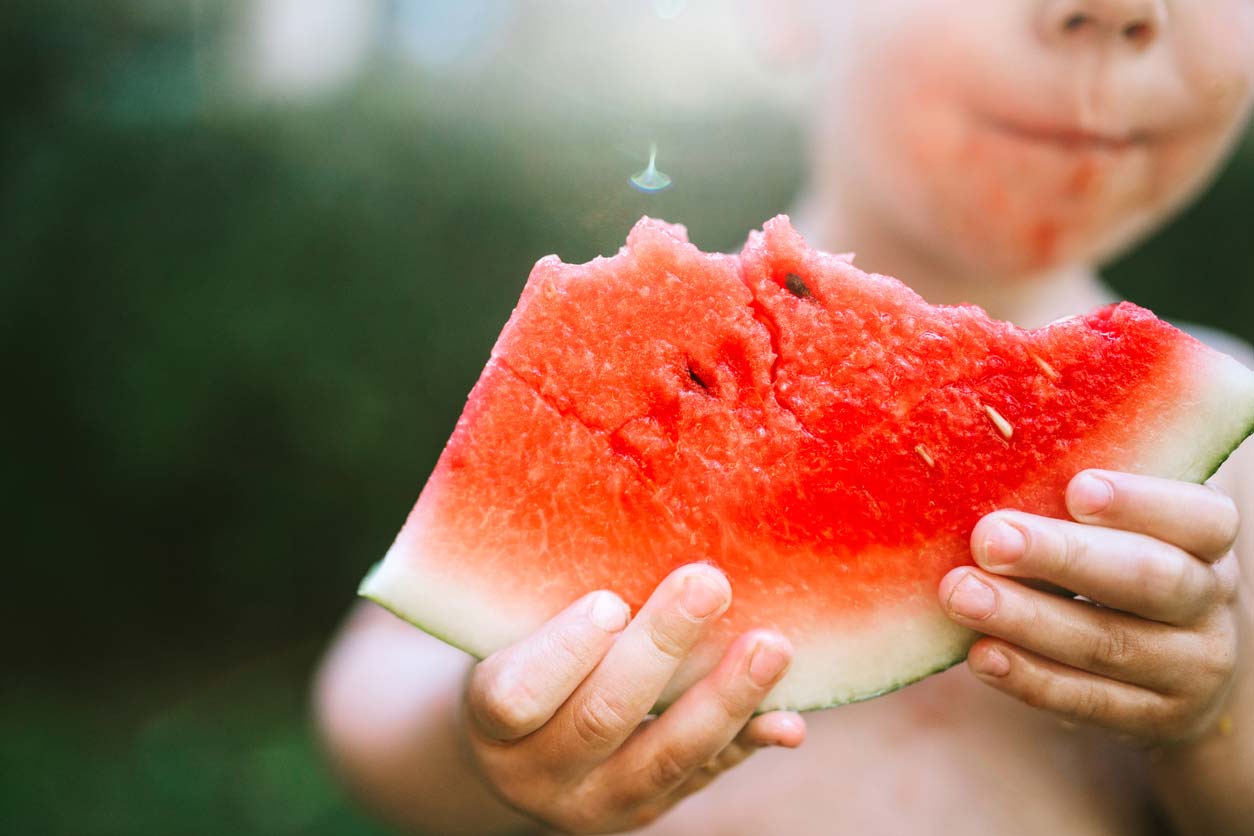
(556, 724)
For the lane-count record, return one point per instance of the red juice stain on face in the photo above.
(1082, 179)
(1043, 240)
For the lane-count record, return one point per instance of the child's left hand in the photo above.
(1154, 654)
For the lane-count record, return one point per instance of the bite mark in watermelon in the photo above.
(823, 436)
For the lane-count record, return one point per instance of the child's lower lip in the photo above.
(1068, 138)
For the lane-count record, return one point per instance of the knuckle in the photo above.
(1226, 574)
(597, 720)
(1166, 577)
(1208, 589)
(1229, 525)
(668, 769)
(1067, 552)
(569, 644)
(735, 703)
(504, 702)
(1219, 654)
(1090, 704)
(1023, 616)
(1032, 687)
(1035, 695)
(1113, 648)
(668, 641)
(1227, 516)
(1032, 616)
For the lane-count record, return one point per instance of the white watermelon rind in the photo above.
(919, 631)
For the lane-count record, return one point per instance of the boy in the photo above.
(990, 153)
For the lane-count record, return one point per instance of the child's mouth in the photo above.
(1066, 137)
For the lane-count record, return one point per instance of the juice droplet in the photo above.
(651, 180)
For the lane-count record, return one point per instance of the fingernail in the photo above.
(703, 597)
(1090, 495)
(1003, 544)
(609, 612)
(767, 662)
(991, 663)
(972, 598)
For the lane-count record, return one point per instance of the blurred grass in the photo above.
(235, 338)
(230, 755)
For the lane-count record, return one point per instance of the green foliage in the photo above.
(1201, 269)
(232, 754)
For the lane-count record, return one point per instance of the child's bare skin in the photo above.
(987, 152)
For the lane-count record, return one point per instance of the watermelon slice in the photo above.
(823, 436)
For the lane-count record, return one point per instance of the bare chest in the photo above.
(945, 756)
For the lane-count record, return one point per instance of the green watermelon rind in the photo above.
(1218, 461)
(1229, 388)
(897, 686)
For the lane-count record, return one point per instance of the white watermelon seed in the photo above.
(925, 455)
(1049, 370)
(999, 421)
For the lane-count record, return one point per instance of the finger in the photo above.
(1120, 569)
(610, 703)
(782, 729)
(1078, 696)
(1095, 639)
(692, 733)
(1196, 518)
(517, 690)
(786, 729)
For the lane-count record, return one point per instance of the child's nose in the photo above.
(1136, 23)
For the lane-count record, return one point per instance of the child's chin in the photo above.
(1018, 255)
(1034, 234)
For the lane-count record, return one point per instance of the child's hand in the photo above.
(1154, 656)
(556, 722)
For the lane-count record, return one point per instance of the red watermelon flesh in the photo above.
(823, 436)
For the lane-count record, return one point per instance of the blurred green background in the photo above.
(241, 310)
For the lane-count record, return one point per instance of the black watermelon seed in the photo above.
(797, 287)
(696, 379)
